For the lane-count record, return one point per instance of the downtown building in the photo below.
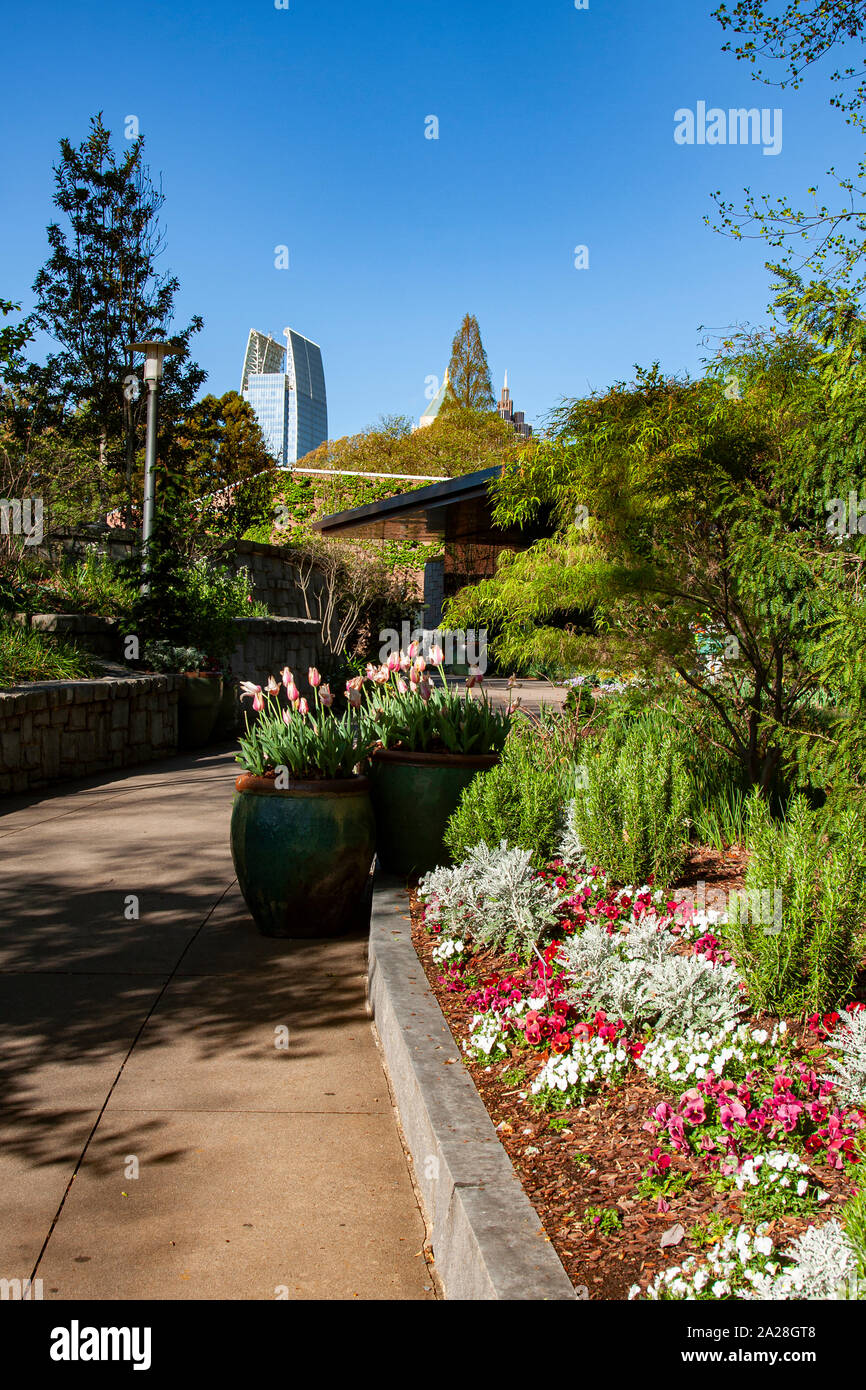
(285, 385)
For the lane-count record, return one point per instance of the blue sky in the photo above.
(305, 127)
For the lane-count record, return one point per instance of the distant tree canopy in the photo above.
(468, 372)
(458, 441)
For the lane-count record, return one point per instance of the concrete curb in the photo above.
(488, 1242)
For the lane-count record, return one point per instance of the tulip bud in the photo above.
(293, 692)
(313, 677)
(286, 676)
(394, 661)
(420, 663)
(424, 690)
(413, 650)
(287, 714)
(437, 656)
(303, 707)
(402, 687)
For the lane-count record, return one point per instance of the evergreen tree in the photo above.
(468, 370)
(99, 291)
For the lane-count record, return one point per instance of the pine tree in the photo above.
(99, 291)
(468, 370)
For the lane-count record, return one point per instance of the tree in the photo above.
(468, 372)
(99, 291)
(797, 34)
(689, 513)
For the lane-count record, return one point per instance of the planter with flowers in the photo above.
(302, 830)
(431, 742)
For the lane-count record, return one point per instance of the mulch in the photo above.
(601, 1156)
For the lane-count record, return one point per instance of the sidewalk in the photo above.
(148, 1046)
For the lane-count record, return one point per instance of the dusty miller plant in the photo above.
(495, 897)
(848, 1069)
(637, 977)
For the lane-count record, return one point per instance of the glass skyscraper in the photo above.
(286, 388)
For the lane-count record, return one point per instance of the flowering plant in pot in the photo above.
(302, 831)
(431, 742)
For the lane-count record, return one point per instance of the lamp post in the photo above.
(154, 355)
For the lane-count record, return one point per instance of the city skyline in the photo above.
(285, 385)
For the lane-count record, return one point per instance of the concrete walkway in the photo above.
(155, 1141)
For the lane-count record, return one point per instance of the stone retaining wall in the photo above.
(54, 730)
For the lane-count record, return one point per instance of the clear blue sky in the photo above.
(305, 127)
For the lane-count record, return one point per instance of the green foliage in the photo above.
(436, 719)
(314, 745)
(810, 963)
(606, 1220)
(29, 655)
(468, 372)
(521, 800)
(633, 817)
(193, 607)
(93, 584)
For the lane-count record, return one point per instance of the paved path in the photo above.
(148, 1046)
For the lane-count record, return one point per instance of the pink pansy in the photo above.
(731, 1113)
(693, 1109)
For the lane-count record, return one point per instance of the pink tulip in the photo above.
(437, 656)
(325, 697)
(286, 676)
(402, 686)
(382, 675)
(303, 707)
(313, 677)
(287, 714)
(424, 690)
(248, 688)
(393, 663)
(353, 694)
(371, 670)
(272, 686)
(413, 650)
(420, 663)
(293, 692)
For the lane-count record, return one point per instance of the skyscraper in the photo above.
(286, 388)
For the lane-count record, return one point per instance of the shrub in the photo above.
(495, 897)
(633, 818)
(808, 961)
(520, 801)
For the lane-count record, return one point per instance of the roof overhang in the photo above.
(419, 515)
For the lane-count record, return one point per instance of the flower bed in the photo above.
(666, 1132)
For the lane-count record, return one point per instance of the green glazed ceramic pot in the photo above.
(198, 704)
(413, 796)
(303, 855)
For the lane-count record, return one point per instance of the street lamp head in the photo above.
(154, 354)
